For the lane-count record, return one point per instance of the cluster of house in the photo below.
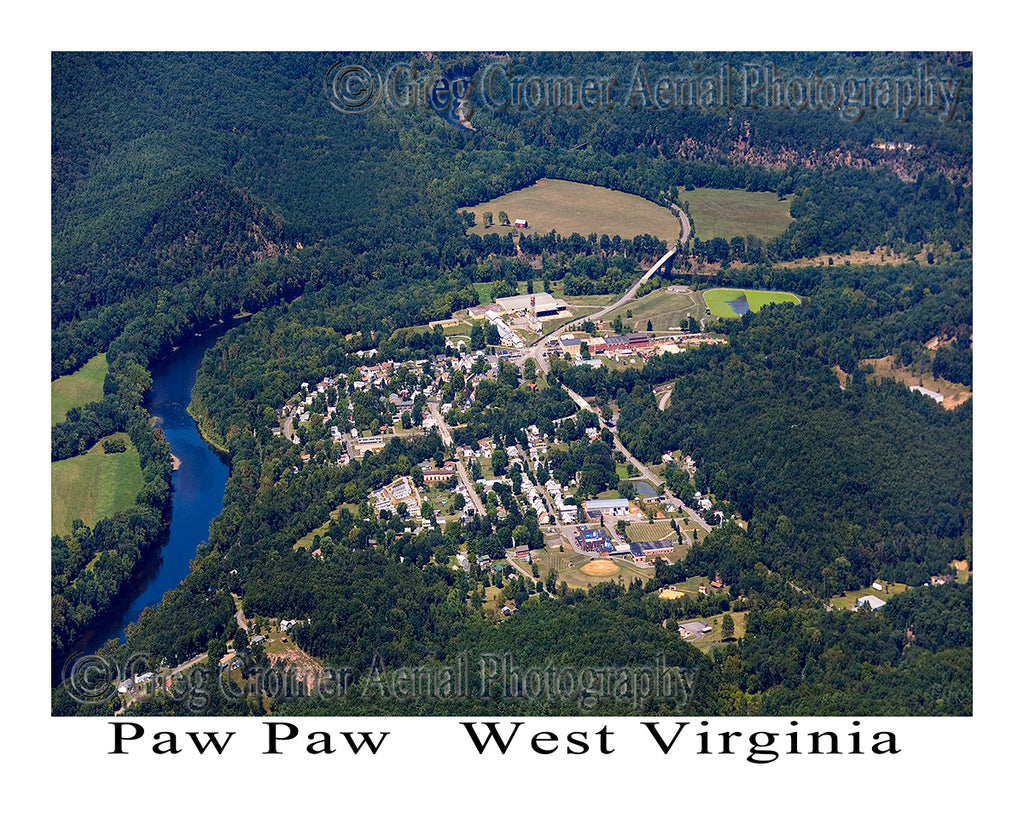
(404, 490)
(142, 681)
(378, 377)
(530, 458)
(527, 486)
(705, 505)
(568, 512)
(485, 563)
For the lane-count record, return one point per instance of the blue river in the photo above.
(197, 484)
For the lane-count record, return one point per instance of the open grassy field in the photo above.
(663, 309)
(728, 213)
(963, 570)
(691, 585)
(714, 637)
(717, 300)
(570, 207)
(81, 387)
(306, 541)
(93, 486)
(570, 564)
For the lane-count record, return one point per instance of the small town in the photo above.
(343, 417)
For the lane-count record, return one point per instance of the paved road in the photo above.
(239, 617)
(536, 350)
(686, 224)
(644, 471)
(446, 438)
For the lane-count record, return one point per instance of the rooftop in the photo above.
(542, 301)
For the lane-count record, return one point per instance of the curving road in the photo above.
(536, 352)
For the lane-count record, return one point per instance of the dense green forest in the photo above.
(226, 183)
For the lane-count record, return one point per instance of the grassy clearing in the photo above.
(306, 541)
(581, 304)
(666, 311)
(717, 300)
(94, 485)
(483, 290)
(849, 600)
(728, 213)
(714, 637)
(81, 387)
(460, 330)
(691, 585)
(963, 570)
(953, 395)
(570, 207)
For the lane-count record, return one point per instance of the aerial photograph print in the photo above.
(512, 384)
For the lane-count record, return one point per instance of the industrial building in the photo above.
(616, 508)
(541, 305)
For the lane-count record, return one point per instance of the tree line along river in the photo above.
(198, 483)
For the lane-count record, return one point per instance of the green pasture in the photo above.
(93, 486)
(664, 310)
(571, 207)
(81, 387)
(717, 300)
(728, 213)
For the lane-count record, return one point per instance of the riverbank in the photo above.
(203, 425)
(199, 476)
